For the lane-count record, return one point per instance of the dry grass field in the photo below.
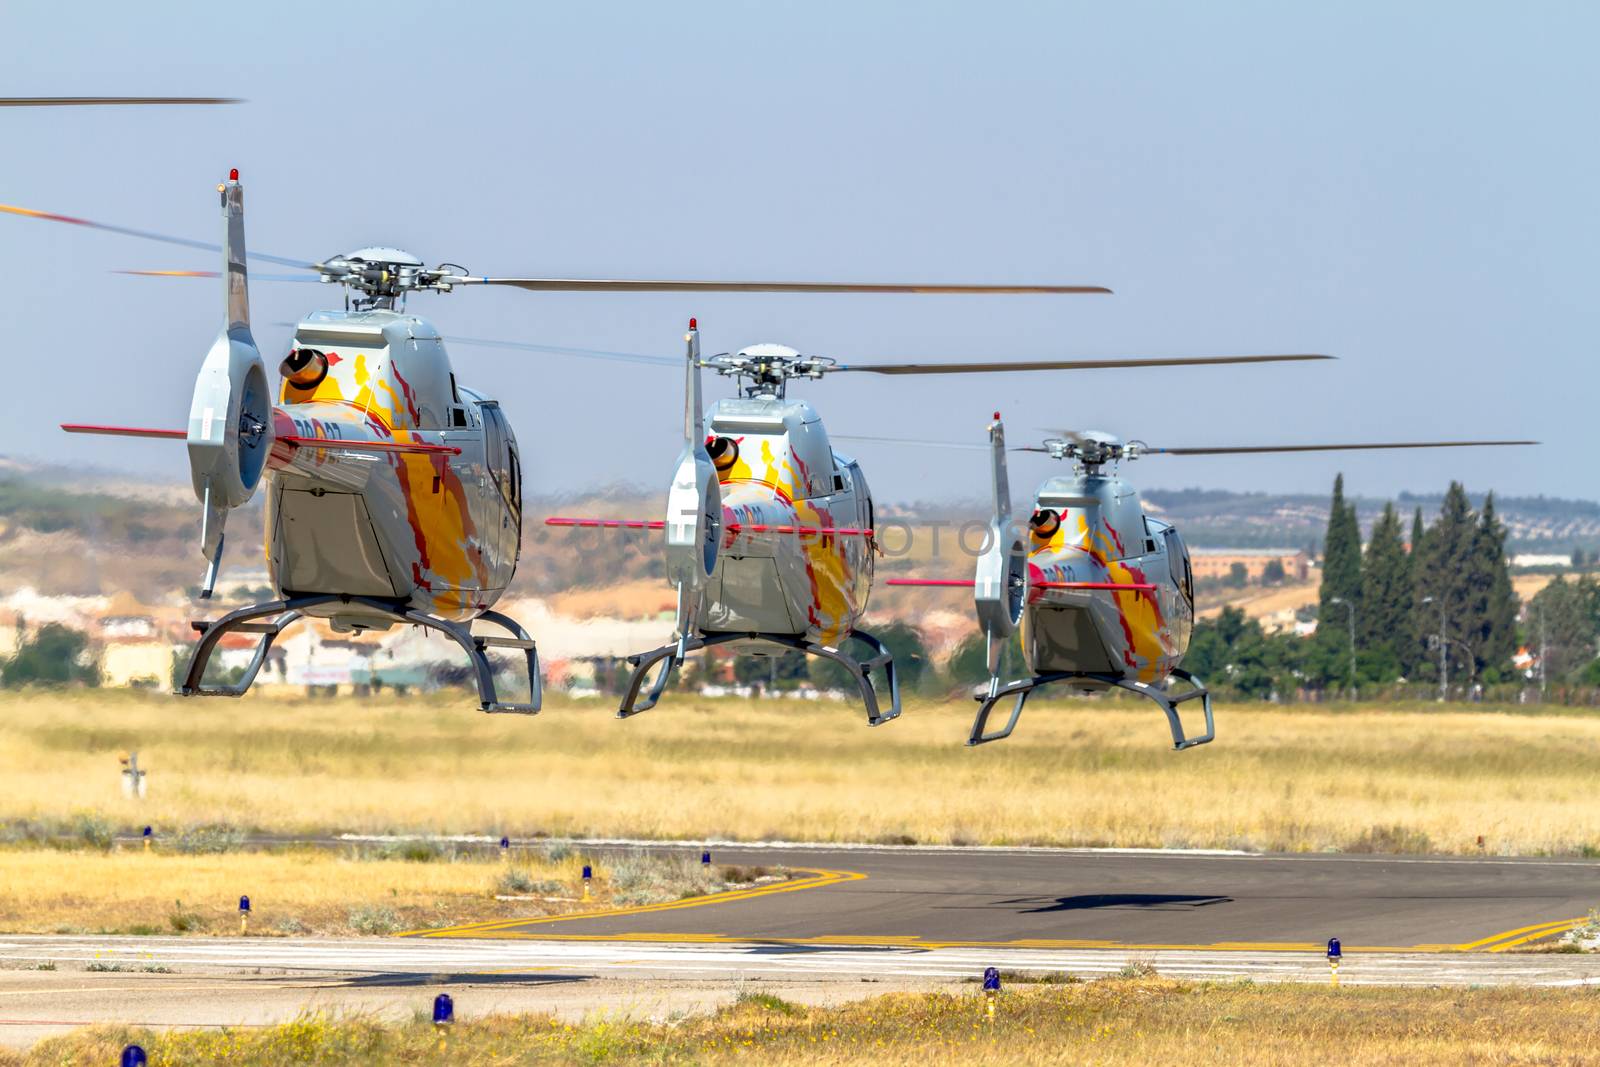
(1128, 1021)
(1083, 773)
(292, 892)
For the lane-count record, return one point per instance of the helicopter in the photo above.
(1101, 591)
(395, 492)
(770, 537)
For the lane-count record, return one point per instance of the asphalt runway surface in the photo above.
(1155, 900)
(852, 922)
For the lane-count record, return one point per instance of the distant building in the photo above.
(1218, 562)
(1542, 559)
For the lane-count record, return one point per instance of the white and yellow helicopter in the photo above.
(1100, 591)
(395, 492)
(770, 529)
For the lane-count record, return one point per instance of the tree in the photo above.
(1238, 575)
(1385, 628)
(903, 642)
(1494, 634)
(1563, 618)
(1273, 573)
(1341, 581)
(1414, 651)
(969, 665)
(1446, 573)
(55, 655)
(1232, 653)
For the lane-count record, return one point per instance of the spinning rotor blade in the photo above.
(99, 101)
(1250, 449)
(149, 235)
(255, 276)
(598, 285)
(1065, 364)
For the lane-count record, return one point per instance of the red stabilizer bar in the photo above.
(957, 583)
(371, 446)
(125, 431)
(732, 527)
(608, 524)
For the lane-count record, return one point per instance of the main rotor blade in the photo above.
(910, 441)
(1065, 364)
(98, 101)
(148, 235)
(1249, 449)
(607, 285)
(559, 350)
(254, 276)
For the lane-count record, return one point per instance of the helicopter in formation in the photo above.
(395, 491)
(1100, 593)
(770, 538)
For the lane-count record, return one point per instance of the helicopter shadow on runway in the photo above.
(1117, 902)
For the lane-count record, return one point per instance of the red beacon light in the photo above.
(693, 325)
(233, 175)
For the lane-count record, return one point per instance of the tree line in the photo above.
(1437, 606)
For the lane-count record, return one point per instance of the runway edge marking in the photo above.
(818, 878)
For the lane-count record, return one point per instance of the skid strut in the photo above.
(280, 614)
(671, 656)
(1024, 688)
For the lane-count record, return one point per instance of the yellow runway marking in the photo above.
(818, 878)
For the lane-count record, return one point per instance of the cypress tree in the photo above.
(1384, 629)
(1498, 626)
(1341, 579)
(1446, 572)
(1415, 652)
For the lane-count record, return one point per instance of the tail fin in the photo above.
(694, 503)
(1000, 579)
(230, 415)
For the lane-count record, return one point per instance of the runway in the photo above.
(1142, 901)
(853, 922)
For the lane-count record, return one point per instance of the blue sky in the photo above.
(1411, 188)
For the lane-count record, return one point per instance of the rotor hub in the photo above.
(765, 369)
(383, 276)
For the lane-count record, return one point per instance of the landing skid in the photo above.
(278, 615)
(1023, 688)
(670, 656)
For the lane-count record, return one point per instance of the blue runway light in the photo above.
(505, 843)
(147, 831)
(991, 979)
(133, 1056)
(244, 905)
(588, 872)
(1334, 951)
(705, 858)
(444, 1010)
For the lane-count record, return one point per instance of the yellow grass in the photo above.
(297, 891)
(1114, 1022)
(1097, 773)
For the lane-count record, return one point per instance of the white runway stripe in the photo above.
(652, 960)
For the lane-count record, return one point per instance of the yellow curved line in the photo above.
(1533, 932)
(818, 878)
